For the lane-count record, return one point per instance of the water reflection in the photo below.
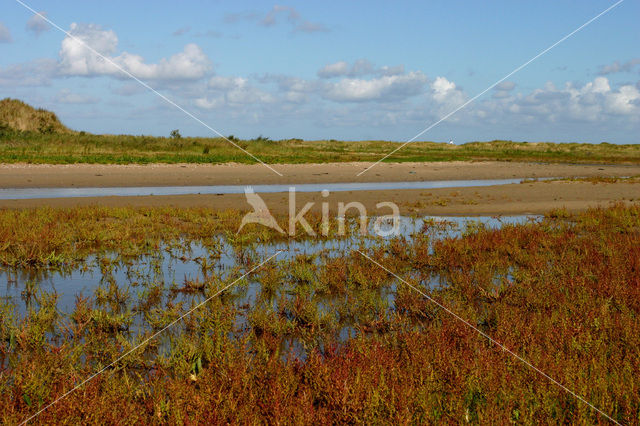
(32, 193)
(146, 292)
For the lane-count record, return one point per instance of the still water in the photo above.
(34, 193)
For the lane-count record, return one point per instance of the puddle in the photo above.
(34, 193)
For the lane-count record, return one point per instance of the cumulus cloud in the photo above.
(232, 91)
(625, 100)
(37, 25)
(359, 68)
(442, 88)
(207, 103)
(5, 34)
(385, 88)
(595, 101)
(292, 89)
(617, 67)
(226, 83)
(66, 96)
(446, 93)
(77, 60)
(334, 70)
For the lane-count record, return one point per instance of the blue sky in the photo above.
(320, 70)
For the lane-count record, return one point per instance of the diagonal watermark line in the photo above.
(153, 336)
(163, 97)
(495, 342)
(492, 86)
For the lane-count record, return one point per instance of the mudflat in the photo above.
(98, 175)
(529, 197)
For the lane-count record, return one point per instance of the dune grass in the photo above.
(564, 293)
(19, 116)
(80, 147)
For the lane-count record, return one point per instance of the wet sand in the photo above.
(96, 175)
(525, 198)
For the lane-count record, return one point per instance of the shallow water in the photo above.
(175, 265)
(168, 270)
(34, 193)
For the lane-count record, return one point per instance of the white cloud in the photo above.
(625, 100)
(206, 103)
(385, 88)
(293, 90)
(595, 101)
(5, 34)
(66, 96)
(445, 93)
(77, 59)
(442, 88)
(37, 25)
(232, 91)
(293, 84)
(249, 95)
(334, 70)
(226, 83)
(386, 70)
(360, 68)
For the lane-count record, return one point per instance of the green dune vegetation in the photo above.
(37, 136)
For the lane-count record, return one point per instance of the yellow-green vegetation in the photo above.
(49, 237)
(18, 116)
(321, 338)
(123, 149)
(36, 136)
